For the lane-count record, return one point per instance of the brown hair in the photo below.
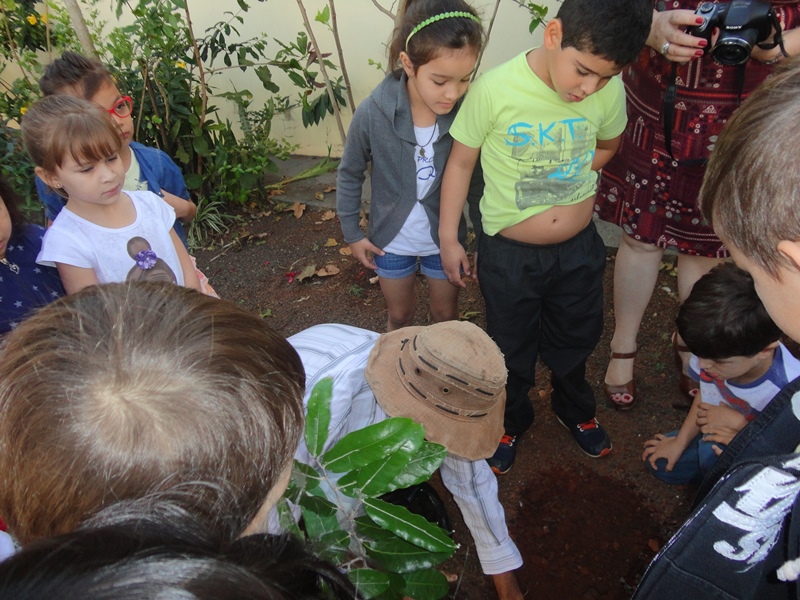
(56, 127)
(75, 75)
(749, 192)
(446, 34)
(123, 391)
(12, 203)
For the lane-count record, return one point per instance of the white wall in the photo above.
(364, 31)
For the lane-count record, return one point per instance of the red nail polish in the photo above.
(699, 53)
(700, 20)
(703, 43)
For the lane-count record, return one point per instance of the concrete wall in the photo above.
(365, 32)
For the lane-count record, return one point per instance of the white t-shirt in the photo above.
(141, 251)
(415, 239)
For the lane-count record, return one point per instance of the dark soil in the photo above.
(586, 528)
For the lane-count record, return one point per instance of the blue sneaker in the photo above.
(503, 458)
(591, 437)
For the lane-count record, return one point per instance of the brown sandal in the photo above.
(688, 386)
(621, 397)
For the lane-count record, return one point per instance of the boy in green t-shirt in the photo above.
(543, 124)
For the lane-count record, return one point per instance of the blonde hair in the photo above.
(123, 391)
(749, 193)
(57, 127)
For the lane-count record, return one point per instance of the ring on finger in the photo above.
(665, 48)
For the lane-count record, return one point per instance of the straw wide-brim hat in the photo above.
(450, 377)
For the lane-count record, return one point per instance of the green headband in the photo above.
(447, 15)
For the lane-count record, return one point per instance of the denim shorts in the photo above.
(395, 266)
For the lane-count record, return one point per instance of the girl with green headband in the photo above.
(402, 131)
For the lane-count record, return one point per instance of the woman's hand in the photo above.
(668, 35)
(363, 250)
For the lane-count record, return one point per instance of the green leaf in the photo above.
(368, 582)
(318, 417)
(401, 557)
(304, 476)
(408, 526)
(375, 442)
(200, 146)
(374, 478)
(265, 77)
(333, 546)
(324, 15)
(316, 525)
(348, 484)
(321, 506)
(366, 528)
(396, 586)
(426, 585)
(193, 180)
(287, 520)
(421, 466)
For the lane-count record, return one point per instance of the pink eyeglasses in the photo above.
(122, 108)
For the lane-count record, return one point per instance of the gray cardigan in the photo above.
(382, 132)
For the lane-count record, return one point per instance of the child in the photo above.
(741, 541)
(145, 168)
(75, 147)
(452, 382)
(155, 556)
(402, 130)
(25, 285)
(543, 124)
(145, 390)
(739, 364)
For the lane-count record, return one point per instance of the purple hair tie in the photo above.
(146, 259)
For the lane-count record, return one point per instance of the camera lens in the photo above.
(731, 51)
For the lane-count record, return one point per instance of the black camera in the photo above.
(742, 24)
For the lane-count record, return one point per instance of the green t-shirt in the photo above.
(536, 149)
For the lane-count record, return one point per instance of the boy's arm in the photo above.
(455, 187)
(720, 416)
(604, 151)
(671, 448)
(185, 210)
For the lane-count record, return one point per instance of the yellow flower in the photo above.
(180, 64)
(43, 19)
(23, 110)
(32, 19)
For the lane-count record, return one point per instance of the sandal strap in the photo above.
(624, 354)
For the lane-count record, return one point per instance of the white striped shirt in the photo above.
(341, 352)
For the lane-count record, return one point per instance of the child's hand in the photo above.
(662, 446)
(363, 250)
(720, 416)
(719, 435)
(454, 259)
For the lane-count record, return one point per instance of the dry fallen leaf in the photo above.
(328, 215)
(329, 189)
(328, 270)
(297, 208)
(273, 193)
(319, 196)
(345, 251)
(363, 222)
(331, 243)
(307, 272)
(373, 280)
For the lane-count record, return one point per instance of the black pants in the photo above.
(544, 300)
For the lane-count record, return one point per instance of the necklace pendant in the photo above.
(422, 151)
(14, 268)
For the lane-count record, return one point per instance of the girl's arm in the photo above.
(185, 210)
(75, 278)
(190, 278)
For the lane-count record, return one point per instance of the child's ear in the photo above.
(407, 65)
(49, 178)
(790, 250)
(553, 34)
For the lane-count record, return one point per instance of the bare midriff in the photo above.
(553, 226)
